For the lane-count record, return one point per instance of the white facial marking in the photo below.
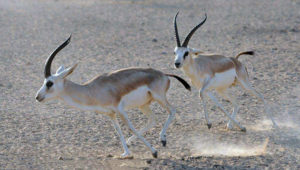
(47, 92)
(179, 56)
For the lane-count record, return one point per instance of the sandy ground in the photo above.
(109, 35)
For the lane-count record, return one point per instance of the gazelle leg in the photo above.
(212, 97)
(162, 100)
(118, 129)
(202, 92)
(151, 122)
(225, 95)
(246, 84)
(130, 125)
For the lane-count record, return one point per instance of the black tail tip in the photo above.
(250, 52)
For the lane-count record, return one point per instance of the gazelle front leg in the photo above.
(118, 129)
(124, 116)
(212, 97)
(151, 122)
(202, 92)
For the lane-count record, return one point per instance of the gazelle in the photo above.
(111, 93)
(211, 71)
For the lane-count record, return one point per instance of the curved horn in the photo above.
(49, 60)
(176, 31)
(189, 36)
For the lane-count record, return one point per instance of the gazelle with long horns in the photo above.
(211, 71)
(111, 94)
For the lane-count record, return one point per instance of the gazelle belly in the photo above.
(136, 98)
(223, 79)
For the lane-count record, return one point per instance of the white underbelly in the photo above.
(136, 98)
(223, 79)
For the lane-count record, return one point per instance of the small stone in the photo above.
(9, 86)
(60, 158)
(154, 40)
(294, 30)
(245, 95)
(149, 161)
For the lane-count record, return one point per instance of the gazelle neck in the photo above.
(188, 65)
(191, 70)
(75, 94)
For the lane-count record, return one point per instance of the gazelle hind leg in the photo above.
(225, 94)
(124, 116)
(246, 85)
(162, 100)
(145, 109)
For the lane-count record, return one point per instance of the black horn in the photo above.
(49, 60)
(176, 31)
(189, 36)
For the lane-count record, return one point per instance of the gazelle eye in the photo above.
(185, 54)
(49, 84)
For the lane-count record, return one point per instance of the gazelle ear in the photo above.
(195, 51)
(60, 69)
(67, 71)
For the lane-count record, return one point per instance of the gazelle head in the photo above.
(181, 52)
(53, 84)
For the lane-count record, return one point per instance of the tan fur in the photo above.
(202, 65)
(213, 63)
(109, 88)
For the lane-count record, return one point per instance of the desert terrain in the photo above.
(112, 34)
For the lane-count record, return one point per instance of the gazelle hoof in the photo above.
(154, 154)
(125, 156)
(209, 125)
(243, 129)
(164, 143)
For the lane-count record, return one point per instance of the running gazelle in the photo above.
(111, 93)
(211, 71)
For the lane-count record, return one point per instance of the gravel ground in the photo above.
(109, 35)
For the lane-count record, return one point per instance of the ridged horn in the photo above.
(189, 36)
(49, 60)
(176, 31)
